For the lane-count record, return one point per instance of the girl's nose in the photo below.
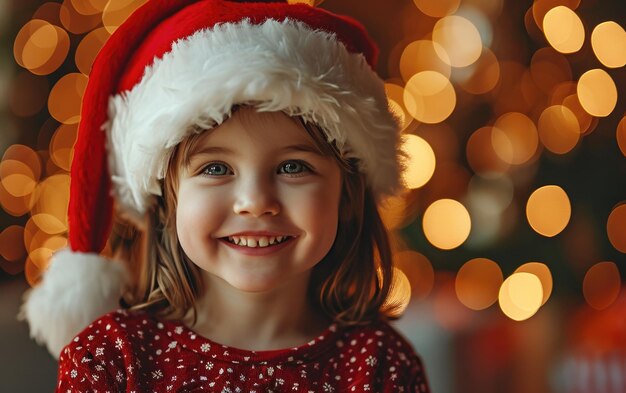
(256, 197)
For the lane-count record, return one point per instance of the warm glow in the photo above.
(558, 129)
(621, 135)
(485, 74)
(424, 55)
(429, 97)
(446, 224)
(490, 193)
(481, 156)
(563, 29)
(392, 211)
(548, 210)
(65, 98)
(608, 41)
(478, 282)
(520, 296)
(597, 92)
(420, 164)
(116, 12)
(459, 40)
(549, 69)
(439, 8)
(616, 228)
(399, 294)
(585, 120)
(543, 274)
(514, 138)
(541, 7)
(77, 22)
(17, 178)
(62, 146)
(88, 49)
(12, 244)
(50, 211)
(418, 270)
(601, 285)
(89, 7)
(29, 94)
(395, 97)
(312, 3)
(41, 47)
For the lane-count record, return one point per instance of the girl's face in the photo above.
(258, 204)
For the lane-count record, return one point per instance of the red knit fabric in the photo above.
(133, 352)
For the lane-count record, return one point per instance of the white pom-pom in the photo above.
(76, 289)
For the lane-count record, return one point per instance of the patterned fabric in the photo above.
(134, 352)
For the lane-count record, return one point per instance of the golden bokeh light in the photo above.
(29, 94)
(597, 92)
(26, 155)
(520, 296)
(49, 12)
(50, 211)
(548, 210)
(89, 47)
(418, 270)
(558, 129)
(481, 156)
(420, 164)
(601, 285)
(446, 224)
(11, 244)
(484, 74)
(616, 228)
(608, 41)
(62, 146)
(543, 274)
(41, 47)
(564, 30)
(541, 7)
(116, 12)
(549, 69)
(429, 97)
(89, 7)
(399, 294)
(392, 211)
(65, 98)
(75, 21)
(620, 134)
(437, 9)
(32, 272)
(424, 55)
(478, 282)
(459, 40)
(514, 138)
(585, 120)
(17, 178)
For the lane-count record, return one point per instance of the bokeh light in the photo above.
(399, 294)
(608, 41)
(438, 8)
(418, 270)
(514, 138)
(62, 145)
(558, 129)
(548, 210)
(620, 135)
(50, 211)
(392, 211)
(41, 47)
(429, 97)
(478, 282)
(601, 285)
(549, 69)
(597, 92)
(520, 296)
(616, 228)
(89, 7)
(89, 47)
(420, 164)
(116, 12)
(424, 55)
(544, 275)
(11, 244)
(446, 224)
(564, 30)
(395, 97)
(75, 21)
(458, 39)
(481, 154)
(65, 98)
(484, 74)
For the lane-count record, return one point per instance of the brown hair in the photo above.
(350, 284)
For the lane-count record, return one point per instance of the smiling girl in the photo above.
(244, 145)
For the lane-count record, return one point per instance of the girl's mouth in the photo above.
(257, 245)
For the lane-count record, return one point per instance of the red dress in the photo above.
(134, 352)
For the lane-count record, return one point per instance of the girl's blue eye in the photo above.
(215, 169)
(293, 168)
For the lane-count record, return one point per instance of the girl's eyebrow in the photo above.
(301, 147)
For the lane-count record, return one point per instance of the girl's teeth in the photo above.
(253, 243)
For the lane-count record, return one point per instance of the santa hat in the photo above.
(175, 65)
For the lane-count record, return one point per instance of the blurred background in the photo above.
(510, 244)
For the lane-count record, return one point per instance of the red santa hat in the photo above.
(179, 65)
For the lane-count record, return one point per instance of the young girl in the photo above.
(247, 144)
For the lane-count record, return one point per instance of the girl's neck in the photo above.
(282, 318)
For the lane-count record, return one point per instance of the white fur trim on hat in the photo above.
(275, 66)
(76, 289)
